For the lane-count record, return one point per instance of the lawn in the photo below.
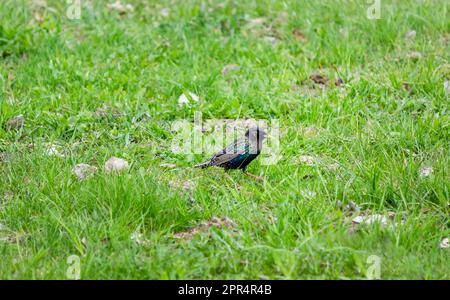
(362, 186)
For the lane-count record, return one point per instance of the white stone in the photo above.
(82, 171)
(53, 150)
(370, 219)
(165, 12)
(307, 160)
(411, 34)
(425, 171)
(116, 164)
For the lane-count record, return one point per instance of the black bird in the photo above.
(239, 154)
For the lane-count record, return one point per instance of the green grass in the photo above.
(59, 72)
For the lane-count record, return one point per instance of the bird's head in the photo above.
(256, 133)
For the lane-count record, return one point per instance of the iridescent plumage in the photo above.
(239, 154)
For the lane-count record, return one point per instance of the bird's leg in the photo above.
(259, 178)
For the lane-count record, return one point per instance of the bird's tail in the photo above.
(203, 165)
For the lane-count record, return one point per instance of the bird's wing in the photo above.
(220, 159)
(229, 153)
(238, 147)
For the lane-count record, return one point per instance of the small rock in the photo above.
(165, 12)
(410, 35)
(15, 123)
(376, 218)
(228, 68)
(82, 171)
(370, 219)
(306, 160)
(53, 150)
(358, 220)
(116, 164)
(445, 243)
(425, 171)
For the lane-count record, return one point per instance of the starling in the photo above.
(239, 154)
